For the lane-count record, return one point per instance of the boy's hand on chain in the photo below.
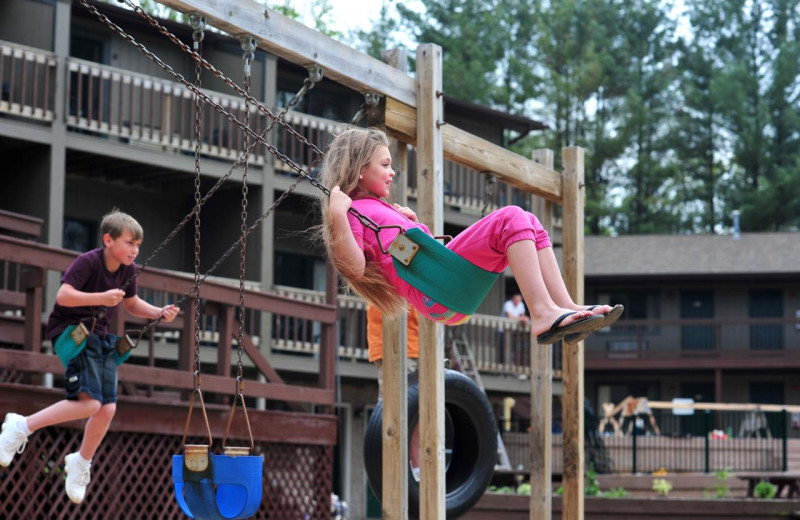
(169, 313)
(112, 297)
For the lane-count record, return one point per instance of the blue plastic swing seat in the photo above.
(229, 489)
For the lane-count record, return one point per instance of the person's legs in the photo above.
(555, 283)
(78, 465)
(511, 236)
(524, 263)
(96, 429)
(63, 411)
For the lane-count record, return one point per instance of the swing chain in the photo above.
(198, 23)
(248, 45)
(315, 75)
(260, 139)
(230, 117)
(488, 190)
(195, 56)
(371, 99)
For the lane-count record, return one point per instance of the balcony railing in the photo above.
(500, 345)
(27, 81)
(149, 112)
(657, 339)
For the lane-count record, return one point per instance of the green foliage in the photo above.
(487, 48)
(286, 10)
(685, 116)
(592, 488)
(765, 489)
(320, 14)
(721, 487)
(662, 486)
(618, 492)
(524, 489)
(503, 490)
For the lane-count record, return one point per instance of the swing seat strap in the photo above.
(439, 273)
(194, 490)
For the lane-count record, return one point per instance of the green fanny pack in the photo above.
(73, 340)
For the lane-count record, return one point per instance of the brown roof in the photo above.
(693, 255)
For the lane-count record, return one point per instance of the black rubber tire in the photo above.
(470, 444)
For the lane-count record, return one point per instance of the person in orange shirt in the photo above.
(375, 344)
(375, 341)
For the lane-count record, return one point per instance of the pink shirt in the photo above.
(383, 214)
(484, 244)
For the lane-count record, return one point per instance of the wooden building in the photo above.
(87, 123)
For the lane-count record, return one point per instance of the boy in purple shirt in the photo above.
(90, 293)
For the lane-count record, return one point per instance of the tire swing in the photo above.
(470, 444)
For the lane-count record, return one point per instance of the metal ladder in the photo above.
(462, 360)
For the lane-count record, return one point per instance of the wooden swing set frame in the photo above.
(411, 111)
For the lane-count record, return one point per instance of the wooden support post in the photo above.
(395, 420)
(329, 342)
(225, 316)
(572, 399)
(186, 352)
(33, 283)
(395, 383)
(541, 409)
(546, 158)
(430, 118)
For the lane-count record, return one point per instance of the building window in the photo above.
(79, 235)
(697, 305)
(640, 304)
(766, 303)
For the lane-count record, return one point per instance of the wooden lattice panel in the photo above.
(132, 479)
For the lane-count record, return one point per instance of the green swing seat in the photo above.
(439, 273)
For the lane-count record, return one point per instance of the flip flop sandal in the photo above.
(609, 318)
(556, 333)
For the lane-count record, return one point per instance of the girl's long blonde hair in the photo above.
(348, 153)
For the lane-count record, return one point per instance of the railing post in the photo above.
(33, 283)
(784, 439)
(633, 447)
(707, 442)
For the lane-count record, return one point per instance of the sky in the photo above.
(348, 15)
(345, 14)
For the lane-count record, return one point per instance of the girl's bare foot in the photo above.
(596, 310)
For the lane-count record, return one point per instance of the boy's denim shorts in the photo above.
(94, 371)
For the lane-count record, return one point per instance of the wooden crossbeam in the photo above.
(293, 41)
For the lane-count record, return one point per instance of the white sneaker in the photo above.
(12, 440)
(77, 477)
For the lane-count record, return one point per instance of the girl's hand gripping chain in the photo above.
(340, 202)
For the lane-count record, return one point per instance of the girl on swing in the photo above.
(358, 172)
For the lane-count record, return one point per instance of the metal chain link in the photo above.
(304, 175)
(239, 90)
(198, 24)
(230, 117)
(315, 75)
(370, 100)
(488, 190)
(248, 46)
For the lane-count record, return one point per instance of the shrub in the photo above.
(765, 489)
(662, 486)
(721, 487)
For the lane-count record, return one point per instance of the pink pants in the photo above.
(485, 244)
